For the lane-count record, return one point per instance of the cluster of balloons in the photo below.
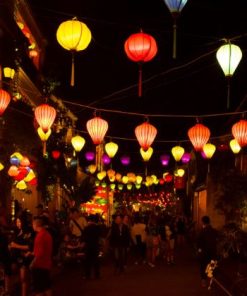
(21, 170)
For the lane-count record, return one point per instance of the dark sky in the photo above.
(192, 84)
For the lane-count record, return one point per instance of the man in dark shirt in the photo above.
(207, 246)
(92, 235)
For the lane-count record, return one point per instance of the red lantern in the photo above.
(140, 48)
(179, 182)
(145, 134)
(45, 116)
(55, 154)
(33, 182)
(22, 174)
(239, 131)
(97, 128)
(199, 135)
(4, 100)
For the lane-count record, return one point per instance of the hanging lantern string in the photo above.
(153, 115)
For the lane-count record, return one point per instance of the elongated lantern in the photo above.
(97, 128)
(177, 152)
(175, 7)
(146, 155)
(199, 135)
(140, 48)
(78, 143)
(145, 134)
(239, 132)
(235, 147)
(74, 36)
(45, 116)
(209, 150)
(111, 149)
(4, 100)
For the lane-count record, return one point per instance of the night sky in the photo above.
(192, 84)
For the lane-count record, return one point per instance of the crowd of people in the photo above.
(32, 245)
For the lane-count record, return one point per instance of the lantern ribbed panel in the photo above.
(209, 150)
(4, 100)
(239, 131)
(111, 149)
(45, 116)
(97, 128)
(146, 155)
(78, 143)
(145, 134)
(199, 135)
(177, 152)
(140, 47)
(175, 5)
(73, 35)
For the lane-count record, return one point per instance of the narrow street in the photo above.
(180, 279)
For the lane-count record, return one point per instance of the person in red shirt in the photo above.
(42, 262)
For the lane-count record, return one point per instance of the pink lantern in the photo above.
(165, 159)
(90, 155)
(186, 158)
(125, 160)
(106, 159)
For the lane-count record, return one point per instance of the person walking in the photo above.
(42, 262)
(139, 236)
(207, 247)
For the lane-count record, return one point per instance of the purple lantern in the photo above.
(186, 157)
(89, 155)
(106, 159)
(125, 160)
(165, 159)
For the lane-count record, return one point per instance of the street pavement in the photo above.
(182, 279)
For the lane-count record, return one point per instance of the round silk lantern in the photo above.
(199, 135)
(106, 159)
(239, 132)
(111, 149)
(33, 182)
(45, 116)
(235, 147)
(1, 166)
(125, 160)
(78, 143)
(138, 179)
(21, 185)
(209, 150)
(145, 134)
(4, 100)
(55, 154)
(90, 155)
(25, 162)
(164, 159)
(43, 136)
(74, 36)
(92, 168)
(186, 158)
(13, 171)
(97, 128)
(140, 48)
(101, 175)
(14, 160)
(146, 155)
(177, 152)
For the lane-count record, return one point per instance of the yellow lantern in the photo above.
(111, 173)
(138, 179)
(235, 146)
(129, 186)
(125, 179)
(8, 72)
(146, 155)
(132, 177)
(120, 186)
(112, 179)
(74, 36)
(229, 56)
(209, 150)
(21, 185)
(138, 186)
(149, 180)
(1, 166)
(101, 175)
(155, 179)
(17, 155)
(92, 168)
(179, 172)
(111, 149)
(30, 176)
(78, 143)
(43, 136)
(112, 186)
(177, 152)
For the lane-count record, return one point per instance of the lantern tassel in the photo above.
(140, 81)
(228, 93)
(44, 148)
(174, 50)
(72, 80)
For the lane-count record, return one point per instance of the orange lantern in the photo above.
(25, 162)
(239, 131)
(97, 128)
(4, 100)
(140, 48)
(145, 134)
(199, 135)
(45, 116)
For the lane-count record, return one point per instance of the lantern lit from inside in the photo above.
(175, 6)
(111, 149)
(140, 48)
(145, 134)
(4, 100)
(209, 150)
(125, 160)
(106, 159)
(1, 166)
(78, 143)
(138, 179)
(43, 136)
(186, 158)
(177, 152)
(8, 72)
(97, 128)
(164, 159)
(45, 116)
(239, 132)
(229, 56)
(199, 135)
(90, 155)
(74, 36)
(55, 154)
(146, 155)
(235, 147)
